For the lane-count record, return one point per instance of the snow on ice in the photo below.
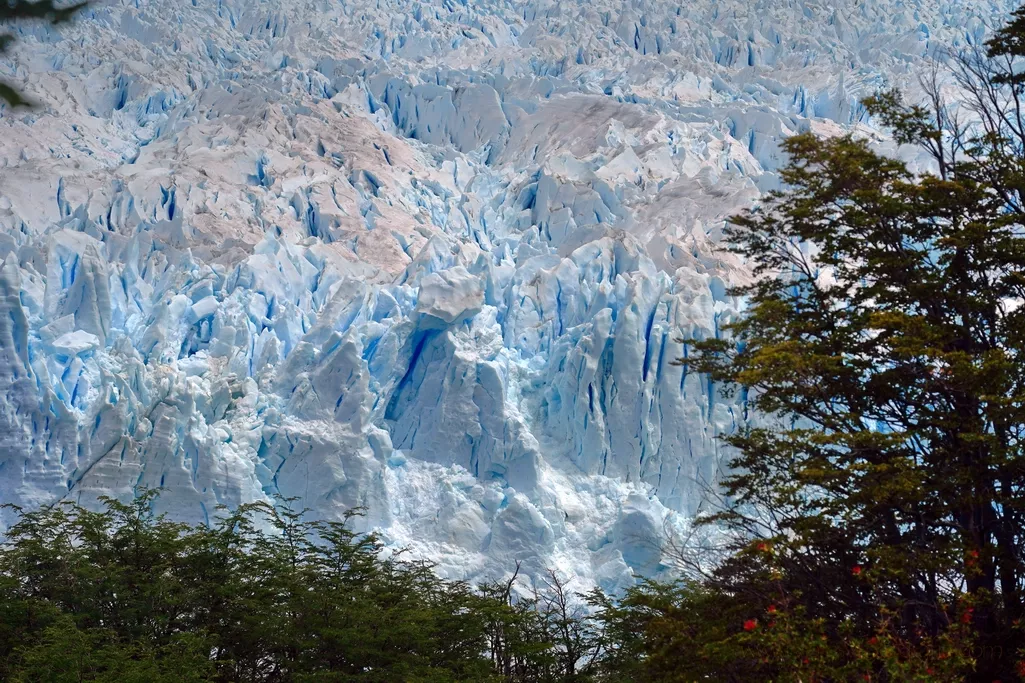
(429, 257)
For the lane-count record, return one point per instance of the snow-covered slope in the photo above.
(427, 257)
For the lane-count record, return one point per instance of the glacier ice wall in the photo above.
(428, 257)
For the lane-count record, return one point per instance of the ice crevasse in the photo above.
(432, 258)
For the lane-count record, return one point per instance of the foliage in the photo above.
(264, 596)
(754, 630)
(119, 594)
(879, 501)
(544, 637)
(884, 344)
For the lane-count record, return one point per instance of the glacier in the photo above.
(429, 257)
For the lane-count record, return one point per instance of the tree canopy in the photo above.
(265, 596)
(881, 493)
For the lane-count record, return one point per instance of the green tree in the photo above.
(544, 634)
(23, 10)
(263, 595)
(884, 347)
(65, 653)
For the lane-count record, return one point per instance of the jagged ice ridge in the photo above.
(431, 258)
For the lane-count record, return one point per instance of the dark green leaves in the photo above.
(884, 346)
(265, 596)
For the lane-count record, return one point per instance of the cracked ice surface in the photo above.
(428, 257)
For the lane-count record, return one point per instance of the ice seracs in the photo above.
(434, 259)
(448, 297)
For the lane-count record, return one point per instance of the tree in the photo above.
(544, 635)
(884, 346)
(66, 653)
(22, 10)
(262, 596)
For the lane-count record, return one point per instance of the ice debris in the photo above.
(431, 258)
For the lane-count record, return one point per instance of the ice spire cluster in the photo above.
(433, 258)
